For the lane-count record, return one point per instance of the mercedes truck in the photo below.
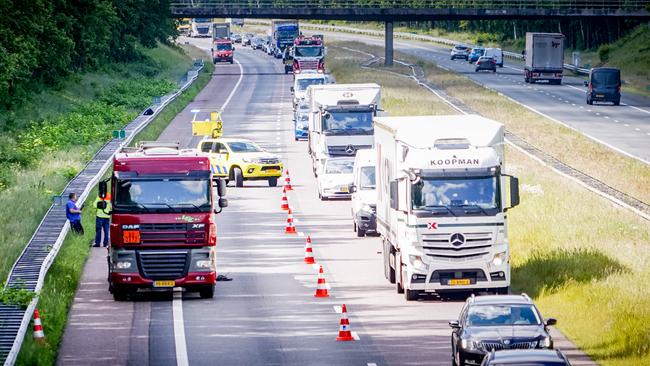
(442, 198)
(163, 232)
(340, 120)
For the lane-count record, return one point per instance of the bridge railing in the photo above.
(416, 4)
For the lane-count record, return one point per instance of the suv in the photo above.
(497, 322)
(476, 53)
(538, 357)
(459, 51)
(604, 85)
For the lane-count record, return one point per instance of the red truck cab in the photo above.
(223, 51)
(308, 53)
(163, 233)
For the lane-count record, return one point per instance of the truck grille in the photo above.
(476, 245)
(173, 233)
(308, 65)
(163, 265)
(343, 150)
(489, 346)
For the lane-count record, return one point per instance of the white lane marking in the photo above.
(301, 234)
(356, 336)
(626, 125)
(337, 309)
(616, 120)
(179, 328)
(606, 117)
(372, 364)
(315, 267)
(232, 93)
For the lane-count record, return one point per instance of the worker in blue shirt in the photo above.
(73, 214)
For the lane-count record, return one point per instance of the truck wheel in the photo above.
(399, 287)
(239, 177)
(207, 292)
(411, 295)
(119, 294)
(232, 61)
(389, 272)
(589, 101)
(360, 232)
(273, 182)
(214, 61)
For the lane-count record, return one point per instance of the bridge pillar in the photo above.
(388, 39)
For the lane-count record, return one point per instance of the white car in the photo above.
(364, 194)
(459, 51)
(335, 178)
(302, 81)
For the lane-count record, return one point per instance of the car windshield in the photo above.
(339, 166)
(495, 315)
(224, 47)
(455, 192)
(605, 78)
(203, 20)
(308, 51)
(243, 146)
(288, 34)
(163, 194)
(460, 48)
(304, 83)
(348, 123)
(478, 51)
(367, 178)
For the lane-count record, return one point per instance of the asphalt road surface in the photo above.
(624, 128)
(267, 314)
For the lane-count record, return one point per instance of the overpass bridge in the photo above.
(389, 11)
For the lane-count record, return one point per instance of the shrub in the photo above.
(603, 52)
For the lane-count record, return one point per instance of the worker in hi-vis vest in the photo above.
(103, 219)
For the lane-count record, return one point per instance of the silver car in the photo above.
(460, 51)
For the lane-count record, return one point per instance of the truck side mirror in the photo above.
(292, 89)
(103, 189)
(221, 187)
(394, 195)
(223, 202)
(353, 188)
(211, 49)
(514, 192)
(586, 83)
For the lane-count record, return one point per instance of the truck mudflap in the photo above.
(192, 279)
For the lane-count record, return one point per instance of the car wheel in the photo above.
(207, 292)
(459, 360)
(239, 177)
(411, 295)
(360, 232)
(273, 182)
(617, 102)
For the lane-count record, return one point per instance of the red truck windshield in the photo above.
(308, 51)
(224, 47)
(162, 195)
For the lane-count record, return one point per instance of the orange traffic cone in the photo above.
(344, 329)
(39, 335)
(321, 288)
(285, 201)
(309, 254)
(289, 229)
(287, 181)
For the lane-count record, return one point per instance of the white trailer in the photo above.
(544, 57)
(442, 198)
(340, 119)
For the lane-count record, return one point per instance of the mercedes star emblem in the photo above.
(349, 150)
(506, 342)
(457, 239)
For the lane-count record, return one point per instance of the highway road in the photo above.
(624, 128)
(267, 314)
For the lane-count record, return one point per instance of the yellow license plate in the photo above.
(460, 282)
(272, 171)
(345, 189)
(164, 283)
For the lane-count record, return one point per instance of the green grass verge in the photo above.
(63, 277)
(584, 261)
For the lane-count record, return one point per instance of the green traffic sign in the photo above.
(119, 134)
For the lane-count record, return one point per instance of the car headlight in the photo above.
(467, 344)
(544, 342)
(123, 265)
(251, 160)
(204, 264)
(499, 259)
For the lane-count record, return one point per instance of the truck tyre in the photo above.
(119, 294)
(273, 182)
(617, 102)
(399, 281)
(207, 292)
(589, 101)
(389, 272)
(239, 176)
(360, 232)
(214, 61)
(411, 295)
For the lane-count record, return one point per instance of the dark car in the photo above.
(497, 322)
(476, 53)
(604, 85)
(537, 357)
(235, 37)
(486, 63)
(257, 43)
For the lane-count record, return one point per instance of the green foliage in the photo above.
(16, 296)
(136, 93)
(42, 41)
(603, 52)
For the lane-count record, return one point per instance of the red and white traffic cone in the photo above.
(285, 201)
(321, 288)
(344, 328)
(289, 229)
(287, 181)
(39, 335)
(309, 254)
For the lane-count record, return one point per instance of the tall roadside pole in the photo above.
(388, 34)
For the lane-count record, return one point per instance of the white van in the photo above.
(496, 53)
(364, 195)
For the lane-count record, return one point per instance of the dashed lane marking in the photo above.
(179, 328)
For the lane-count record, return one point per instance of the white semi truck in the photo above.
(340, 119)
(442, 197)
(201, 27)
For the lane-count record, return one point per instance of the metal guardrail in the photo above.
(31, 267)
(416, 4)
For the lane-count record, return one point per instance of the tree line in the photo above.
(43, 41)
